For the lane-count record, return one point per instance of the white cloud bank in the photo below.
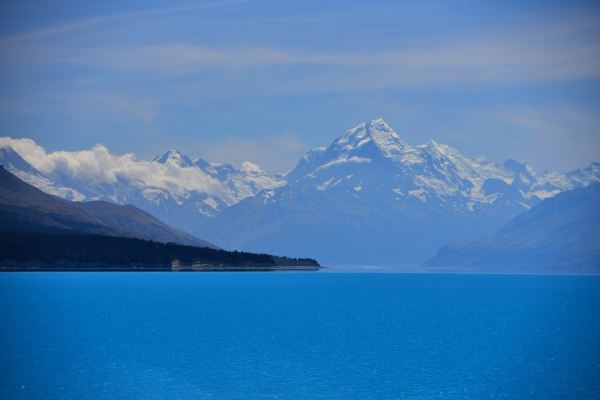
(97, 165)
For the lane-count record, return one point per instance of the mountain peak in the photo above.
(175, 157)
(252, 168)
(379, 124)
(436, 148)
(375, 137)
(376, 131)
(433, 144)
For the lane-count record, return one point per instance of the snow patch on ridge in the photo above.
(344, 160)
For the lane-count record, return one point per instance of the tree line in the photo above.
(93, 250)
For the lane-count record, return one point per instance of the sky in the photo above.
(266, 81)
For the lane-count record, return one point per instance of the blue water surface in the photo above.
(298, 336)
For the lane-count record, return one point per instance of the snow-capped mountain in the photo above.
(234, 184)
(369, 197)
(372, 197)
(173, 187)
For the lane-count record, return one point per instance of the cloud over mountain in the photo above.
(98, 165)
(173, 187)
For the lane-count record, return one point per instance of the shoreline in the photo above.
(160, 269)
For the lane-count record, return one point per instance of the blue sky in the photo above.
(268, 80)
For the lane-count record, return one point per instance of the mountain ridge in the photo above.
(370, 197)
(559, 235)
(26, 209)
(369, 182)
(171, 186)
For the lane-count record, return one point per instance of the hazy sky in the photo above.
(267, 80)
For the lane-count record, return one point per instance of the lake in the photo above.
(298, 336)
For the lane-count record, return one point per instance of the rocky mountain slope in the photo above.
(370, 197)
(559, 235)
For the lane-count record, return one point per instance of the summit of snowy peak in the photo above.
(380, 125)
(441, 150)
(252, 168)
(376, 127)
(174, 157)
(377, 132)
(587, 175)
(383, 135)
(433, 146)
(448, 161)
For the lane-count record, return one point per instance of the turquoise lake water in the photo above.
(298, 336)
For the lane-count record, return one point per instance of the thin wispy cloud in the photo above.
(183, 73)
(539, 54)
(83, 23)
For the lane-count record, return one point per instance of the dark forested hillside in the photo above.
(23, 208)
(40, 231)
(43, 251)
